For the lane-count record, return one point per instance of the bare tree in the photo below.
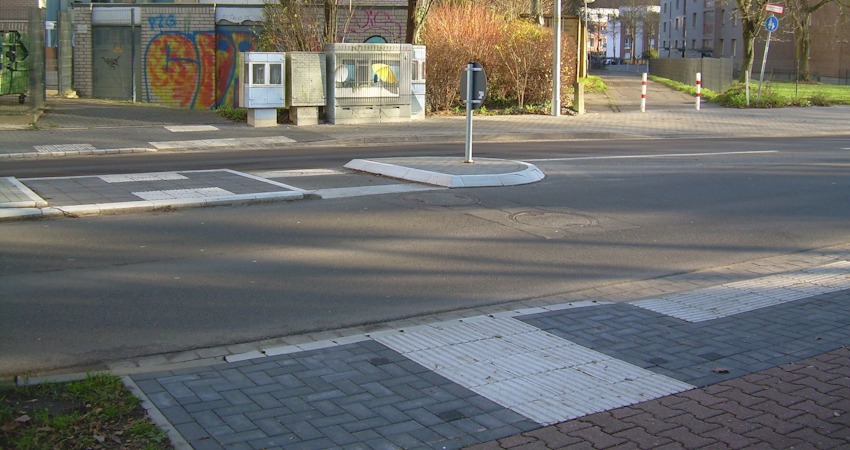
(417, 11)
(752, 15)
(298, 25)
(800, 11)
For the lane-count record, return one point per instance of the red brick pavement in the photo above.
(800, 405)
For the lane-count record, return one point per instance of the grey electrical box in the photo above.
(369, 83)
(306, 84)
(262, 81)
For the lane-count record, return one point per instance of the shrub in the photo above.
(736, 97)
(821, 100)
(515, 53)
(453, 40)
(231, 113)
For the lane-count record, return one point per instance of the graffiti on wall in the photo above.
(370, 22)
(194, 69)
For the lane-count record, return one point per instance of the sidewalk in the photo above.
(753, 355)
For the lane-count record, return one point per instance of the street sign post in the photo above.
(771, 24)
(473, 90)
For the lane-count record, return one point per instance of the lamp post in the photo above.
(556, 65)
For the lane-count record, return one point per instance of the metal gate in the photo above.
(114, 59)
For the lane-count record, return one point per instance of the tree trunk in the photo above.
(416, 12)
(330, 21)
(803, 47)
(747, 58)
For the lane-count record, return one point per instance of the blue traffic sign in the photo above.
(771, 23)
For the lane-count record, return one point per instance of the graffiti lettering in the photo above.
(376, 22)
(196, 69)
(162, 21)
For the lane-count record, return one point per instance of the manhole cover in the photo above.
(549, 219)
(442, 198)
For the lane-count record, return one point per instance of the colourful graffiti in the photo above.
(196, 69)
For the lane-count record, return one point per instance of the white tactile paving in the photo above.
(63, 148)
(183, 193)
(226, 142)
(190, 128)
(748, 295)
(136, 177)
(541, 376)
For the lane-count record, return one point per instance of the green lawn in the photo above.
(836, 94)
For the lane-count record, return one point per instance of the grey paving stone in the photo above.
(745, 343)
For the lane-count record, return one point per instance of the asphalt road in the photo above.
(79, 292)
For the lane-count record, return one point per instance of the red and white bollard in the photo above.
(699, 88)
(643, 93)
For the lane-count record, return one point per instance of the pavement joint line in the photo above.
(296, 173)
(649, 156)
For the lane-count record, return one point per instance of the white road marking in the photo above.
(668, 155)
(297, 173)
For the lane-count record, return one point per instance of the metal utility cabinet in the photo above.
(369, 83)
(262, 87)
(417, 83)
(306, 87)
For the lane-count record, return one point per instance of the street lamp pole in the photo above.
(556, 66)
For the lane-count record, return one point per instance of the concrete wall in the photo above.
(716, 72)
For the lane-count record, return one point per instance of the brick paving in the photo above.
(804, 404)
(775, 377)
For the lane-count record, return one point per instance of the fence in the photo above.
(716, 72)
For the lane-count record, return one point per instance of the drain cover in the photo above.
(442, 198)
(549, 219)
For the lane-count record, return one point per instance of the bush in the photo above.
(511, 51)
(736, 97)
(821, 100)
(231, 113)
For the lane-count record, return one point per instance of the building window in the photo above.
(694, 43)
(722, 17)
(677, 23)
(721, 48)
(694, 21)
(665, 27)
(734, 48)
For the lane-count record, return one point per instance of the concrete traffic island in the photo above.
(451, 172)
